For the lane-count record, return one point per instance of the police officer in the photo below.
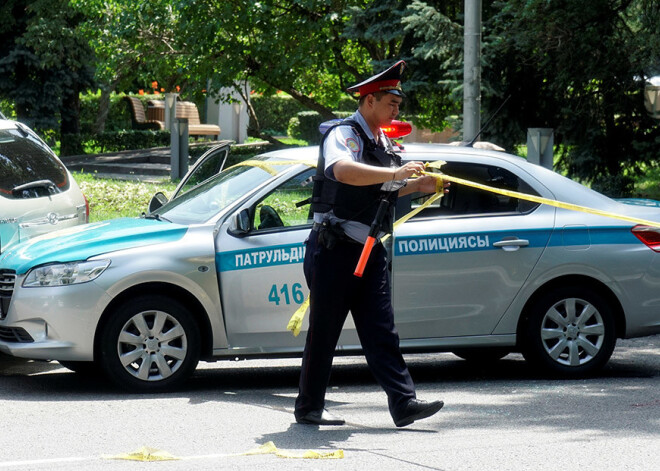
(356, 172)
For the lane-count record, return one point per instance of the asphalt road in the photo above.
(498, 417)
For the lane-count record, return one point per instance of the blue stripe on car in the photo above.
(262, 257)
(478, 241)
(85, 241)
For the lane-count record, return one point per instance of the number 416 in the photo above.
(277, 293)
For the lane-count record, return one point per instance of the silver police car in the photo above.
(216, 272)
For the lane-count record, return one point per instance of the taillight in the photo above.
(86, 208)
(649, 235)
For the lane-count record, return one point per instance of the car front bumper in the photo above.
(53, 323)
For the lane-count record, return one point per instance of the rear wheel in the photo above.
(571, 331)
(150, 343)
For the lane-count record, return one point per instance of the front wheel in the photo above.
(571, 332)
(150, 343)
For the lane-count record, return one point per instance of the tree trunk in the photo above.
(70, 125)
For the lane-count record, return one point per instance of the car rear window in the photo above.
(29, 166)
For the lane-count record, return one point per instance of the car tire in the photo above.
(481, 355)
(149, 344)
(570, 332)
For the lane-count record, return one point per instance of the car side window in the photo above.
(286, 207)
(463, 200)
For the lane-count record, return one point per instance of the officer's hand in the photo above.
(408, 170)
(429, 184)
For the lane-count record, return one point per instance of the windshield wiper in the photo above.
(47, 184)
(157, 217)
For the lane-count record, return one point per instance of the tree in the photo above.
(311, 49)
(45, 63)
(293, 46)
(572, 66)
(578, 68)
(135, 42)
(435, 44)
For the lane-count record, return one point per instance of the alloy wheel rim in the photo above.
(152, 345)
(572, 332)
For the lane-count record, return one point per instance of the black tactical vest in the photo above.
(355, 203)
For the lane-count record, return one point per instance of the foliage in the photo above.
(305, 125)
(118, 114)
(115, 141)
(578, 70)
(436, 32)
(311, 49)
(135, 43)
(45, 62)
(576, 67)
(275, 111)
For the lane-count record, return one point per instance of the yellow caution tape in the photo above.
(270, 448)
(145, 454)
(439, 193)
(295, 323)
(265, 449)
(268, 165)
(537, 199)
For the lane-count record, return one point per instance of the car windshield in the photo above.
(204, 201)
(26, 163)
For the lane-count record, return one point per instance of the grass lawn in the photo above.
(109, 199)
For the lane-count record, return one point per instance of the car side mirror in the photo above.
(240, 225)
(157, 200)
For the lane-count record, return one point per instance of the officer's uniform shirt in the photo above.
(343, 143)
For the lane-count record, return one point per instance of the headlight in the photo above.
(61, 274)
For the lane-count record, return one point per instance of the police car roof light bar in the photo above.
(396, 130)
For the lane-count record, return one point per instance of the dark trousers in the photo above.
(334, 291)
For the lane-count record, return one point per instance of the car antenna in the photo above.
(474, 139)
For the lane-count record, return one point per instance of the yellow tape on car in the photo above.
(537, 199)
(267, 165)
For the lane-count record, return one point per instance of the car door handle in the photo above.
(511, 243)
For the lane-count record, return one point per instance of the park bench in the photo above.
(184, 109)
(138, 118)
